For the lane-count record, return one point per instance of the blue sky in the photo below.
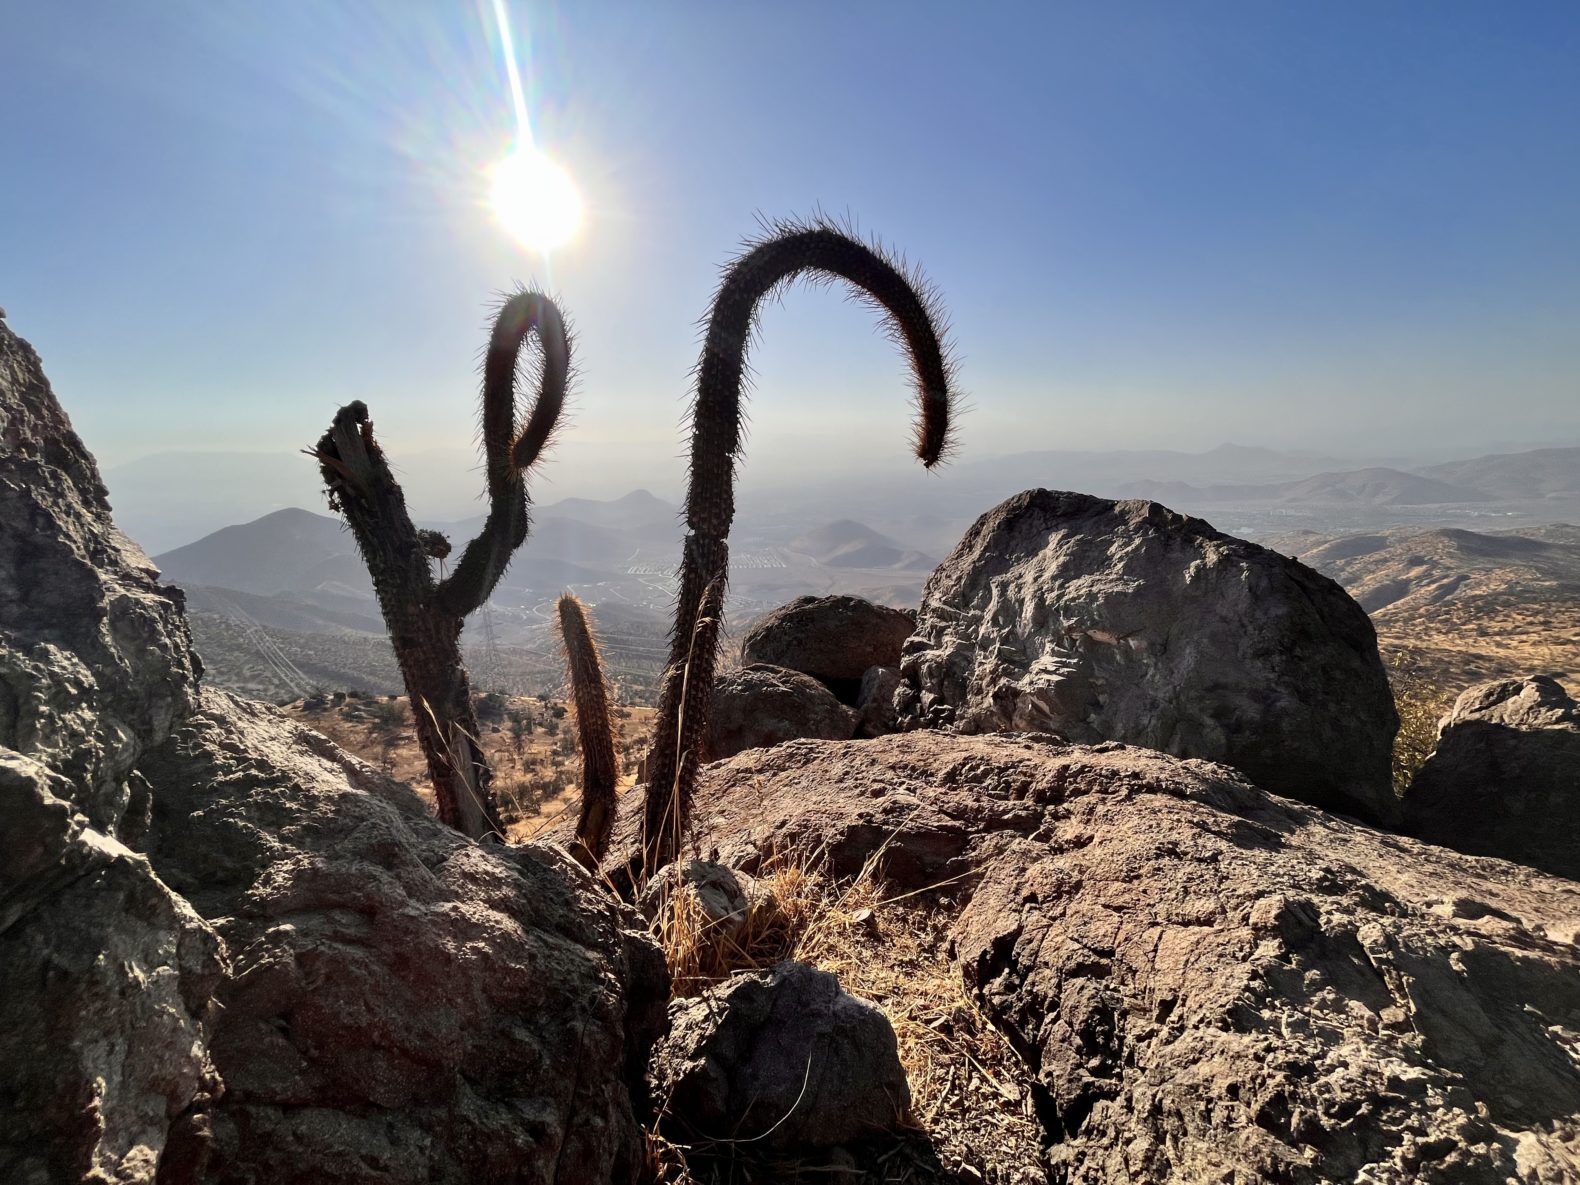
(1343, 227)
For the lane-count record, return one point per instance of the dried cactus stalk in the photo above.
(788, 251)
(590, 705)
(424, 618)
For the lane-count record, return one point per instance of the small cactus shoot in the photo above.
(590, 704)
(788, 251)
(424, 617)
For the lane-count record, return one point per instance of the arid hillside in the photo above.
(1462, 606)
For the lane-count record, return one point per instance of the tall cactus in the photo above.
(424, 617)
(590, 702)
(788, 251)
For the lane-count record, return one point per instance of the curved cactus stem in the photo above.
(788, 251)
(424, 619)
(590, 702)
(509, 454)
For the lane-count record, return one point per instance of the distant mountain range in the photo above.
(155, 503)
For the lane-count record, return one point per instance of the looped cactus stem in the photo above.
(590, 703)
(789, 251)
(424, 618)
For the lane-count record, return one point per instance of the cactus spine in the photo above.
(424, 617)
(590, 702)
(789, 250)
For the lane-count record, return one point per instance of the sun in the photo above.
(536, 200)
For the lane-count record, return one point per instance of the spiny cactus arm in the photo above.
(590, 704)
(362, 488)
(425, 639)
(790, 250)
(510, 454)
(676, 754)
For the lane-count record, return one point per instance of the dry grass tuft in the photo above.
(1421, 702)
(971, 1105)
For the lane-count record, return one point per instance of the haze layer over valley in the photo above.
(1457, 560)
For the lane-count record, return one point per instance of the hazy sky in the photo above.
(1323, 225)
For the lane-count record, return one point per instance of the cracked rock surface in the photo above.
(1207, 982)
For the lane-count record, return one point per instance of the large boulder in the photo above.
(406, 1005)
(762, 705)
(784, 1058)
(106, 981)
(95, 659)
(1504, 778)
(1207, 982)
(1124, 621)
(834, 639)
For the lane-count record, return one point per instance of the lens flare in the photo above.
(533, 197)
(535, 200)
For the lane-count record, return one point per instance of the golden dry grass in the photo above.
(537, 775)
(971, 1109)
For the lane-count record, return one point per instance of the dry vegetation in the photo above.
(530, 741)
(972, 1116)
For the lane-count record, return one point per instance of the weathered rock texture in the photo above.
(406, 1005)
(1208, 983)
(371, 998)
(785, 1059)
(1124, 621)
(879, 715)
(105, 975)
(1504, 779)
(763, 705)
(105, 982)
(95, 659)
(834, 639)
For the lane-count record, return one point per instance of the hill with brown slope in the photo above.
(1465, 606)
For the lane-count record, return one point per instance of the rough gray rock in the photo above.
(763, 705)
(406, 1005)
(1208, 983)
(783, 1058)
(1504, 778)
(834, 639)
(95, 659)
(1102, 620)
(106, 979)
(877, 712)
(721, 895)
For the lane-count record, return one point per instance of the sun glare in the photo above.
(535, 200)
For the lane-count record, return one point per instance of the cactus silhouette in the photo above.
(424, 617)
(785, 252)
(590, 702)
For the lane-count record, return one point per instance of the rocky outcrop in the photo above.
(1207, 982)
(106, 979)
(1504, 778)
(783, 1058)
(95, 660)
(835, 639)
(875, 707)
(762, 705)
(406, 1005)
(303, 977)
(1124, 621)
